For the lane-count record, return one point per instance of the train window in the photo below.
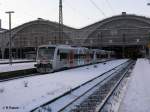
(82, 56)
(46, 52)
(100, 56)
(58, 52)
(63, 56)
(92, 56)
(76, 56)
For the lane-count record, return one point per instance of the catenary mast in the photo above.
(60, 22)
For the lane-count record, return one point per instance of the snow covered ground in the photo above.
(137, 97)
(22, 95)
(16, 66)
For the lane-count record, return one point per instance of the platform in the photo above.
(16, 66)
(137, 96)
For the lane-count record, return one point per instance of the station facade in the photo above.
(128, 35)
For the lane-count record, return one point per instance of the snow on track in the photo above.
(137, 97)
(30, 92)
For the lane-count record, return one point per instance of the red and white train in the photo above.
(54, 57)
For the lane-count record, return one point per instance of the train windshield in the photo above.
(46, 53)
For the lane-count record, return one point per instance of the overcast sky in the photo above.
(76, 13)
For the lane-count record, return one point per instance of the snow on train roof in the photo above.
(80, 49)
(51, 45)
(67, 48)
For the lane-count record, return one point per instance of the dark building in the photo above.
(128, 35)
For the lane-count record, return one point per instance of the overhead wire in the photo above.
(75, 10)
(97, 7)
(109, 5)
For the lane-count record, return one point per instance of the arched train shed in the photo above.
(128, 35)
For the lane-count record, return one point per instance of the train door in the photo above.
(63, 59)
(87, 57)
(81, 57)
(57, 60)
(71, 58)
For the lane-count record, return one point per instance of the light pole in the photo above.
(10, 38)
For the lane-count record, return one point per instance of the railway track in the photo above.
(90, 96)
(99, 99)
(12, 75)
(114, 85)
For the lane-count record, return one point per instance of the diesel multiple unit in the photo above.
(54, 57)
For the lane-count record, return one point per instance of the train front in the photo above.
(45, 58)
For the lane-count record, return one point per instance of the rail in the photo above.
(100, 107)
(68, 92)
(12, 75)
(116, 72)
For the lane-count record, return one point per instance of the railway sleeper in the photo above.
(90, 104)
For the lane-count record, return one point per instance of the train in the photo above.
(50, 58)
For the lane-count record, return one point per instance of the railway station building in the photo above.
(128, 35)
